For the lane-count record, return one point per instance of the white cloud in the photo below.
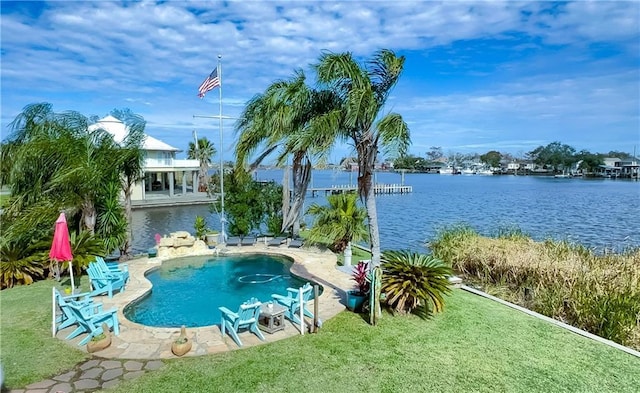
(94, 56)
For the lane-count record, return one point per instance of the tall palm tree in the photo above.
(202, 152)
(364, 90)
(130, 165)
(284, 117)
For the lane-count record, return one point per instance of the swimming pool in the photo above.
(188, 291)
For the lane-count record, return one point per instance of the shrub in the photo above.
(569, 282)
(414, 282)
(18, 266)
(338, 223)
(200, 227)
(360, 273)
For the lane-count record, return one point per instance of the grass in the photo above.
(357, 254)
(474, 345)
(29, 353)
(599, 293)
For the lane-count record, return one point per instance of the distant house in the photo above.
(530, 166)
(610, 168)
(630, 168)
(616, 167)
(161, 168)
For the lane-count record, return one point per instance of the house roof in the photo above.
(119, 131)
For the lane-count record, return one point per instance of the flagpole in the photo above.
(222, 219)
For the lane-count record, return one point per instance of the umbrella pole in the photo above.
(53, 311)
(73, 287)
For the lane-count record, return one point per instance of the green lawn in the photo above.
(357, 255)
(28, 352)
(476, 345)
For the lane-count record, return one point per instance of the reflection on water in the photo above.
(597, 213)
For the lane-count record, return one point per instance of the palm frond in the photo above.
(394, 134)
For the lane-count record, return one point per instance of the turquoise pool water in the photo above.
(188, 291)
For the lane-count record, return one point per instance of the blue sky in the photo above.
(478, 76)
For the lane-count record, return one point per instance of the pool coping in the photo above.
(137, 341)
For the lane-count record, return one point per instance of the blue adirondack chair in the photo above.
(292, 302)
(67, 317)
(102, 283)
(90, 319)
(115, 269)
(245, 318)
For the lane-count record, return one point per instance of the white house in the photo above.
(513, 166)
(615, 167)
(162, 171)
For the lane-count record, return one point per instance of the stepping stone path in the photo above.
(93, 375)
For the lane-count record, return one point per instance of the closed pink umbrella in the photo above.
(61, 246)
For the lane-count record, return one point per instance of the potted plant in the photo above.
(355, 298)
(212, 237)
(101, 341)
(182, 344)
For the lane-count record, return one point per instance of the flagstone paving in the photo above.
(93, 375)
(138, 349)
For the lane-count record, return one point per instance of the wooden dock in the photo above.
(377, 188)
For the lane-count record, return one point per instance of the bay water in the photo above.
(602, 214)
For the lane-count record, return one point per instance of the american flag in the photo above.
(210, 83)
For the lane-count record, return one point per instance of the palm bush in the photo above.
(414, 282)
(84, 247)
(338, 223)
(19, 265)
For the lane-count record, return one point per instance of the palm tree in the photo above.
(287, 116)
(57, 164)
(364, 91)
(56, 161)
(129, 163)
(202, 152)
(339, 223)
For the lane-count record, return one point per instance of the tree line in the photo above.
(555, 156)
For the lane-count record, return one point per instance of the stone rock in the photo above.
(181, 234)
(111, 374)
(154, 365)
(85, 384)
(165, 252)
(132, 365)
(179, 244)
(166, 242)
(184, 242)
(200, 245)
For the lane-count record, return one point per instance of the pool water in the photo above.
(188, 291)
